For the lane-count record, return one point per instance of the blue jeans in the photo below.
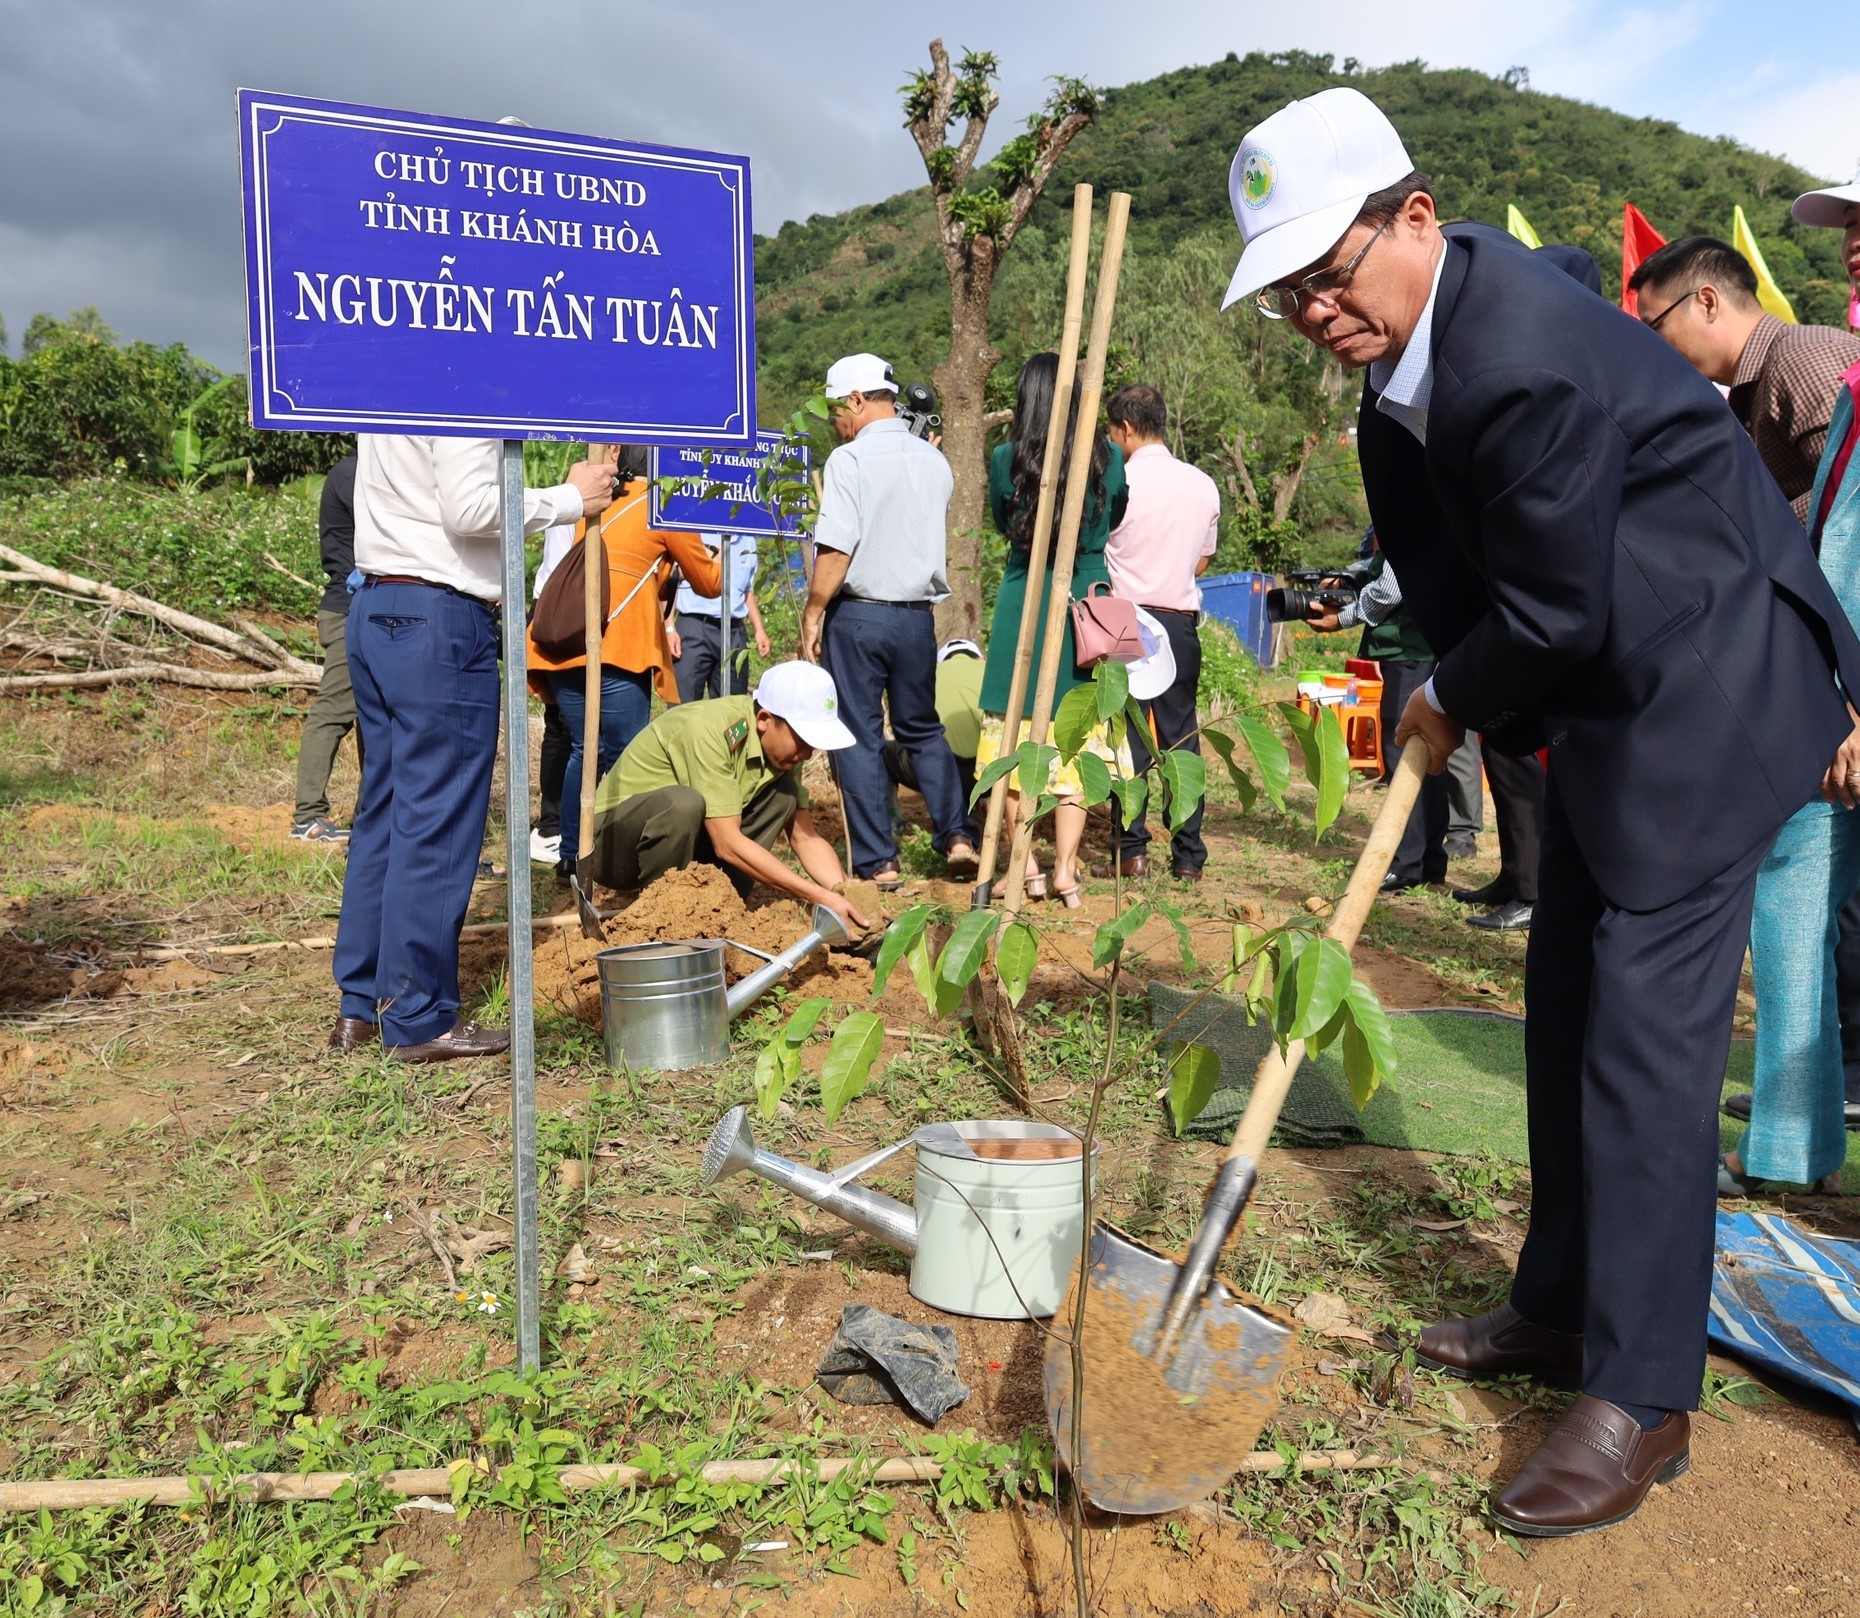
(876, 650)
(626, 705)
(423, 661)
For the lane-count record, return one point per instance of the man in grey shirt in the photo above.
(881, 565)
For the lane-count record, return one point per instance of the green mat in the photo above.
(1459, 1085)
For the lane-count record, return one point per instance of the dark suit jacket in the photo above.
(1593, 548)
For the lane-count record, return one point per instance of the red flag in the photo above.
(1639, 240)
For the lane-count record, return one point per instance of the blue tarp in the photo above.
(1788, 1301)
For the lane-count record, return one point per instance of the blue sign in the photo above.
(413, 274)
(735, 471)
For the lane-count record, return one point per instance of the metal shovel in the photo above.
(1198, 1355)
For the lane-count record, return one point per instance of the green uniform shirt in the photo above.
(710, 746)
(959, 703)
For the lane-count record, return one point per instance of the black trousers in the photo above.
(1173, 715)
(1627, 1029)
(557, 748)
(1421, 855)
(1518, 806)
(699, 669)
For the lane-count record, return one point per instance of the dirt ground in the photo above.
(108, 1058)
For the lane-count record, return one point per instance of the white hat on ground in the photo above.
(805, 696)
(1154, 672)
(1827, 206)
(860, 373)
(1300, 179)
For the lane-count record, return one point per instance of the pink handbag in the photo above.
(1105, 626)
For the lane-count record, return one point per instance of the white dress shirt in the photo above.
(431, 509)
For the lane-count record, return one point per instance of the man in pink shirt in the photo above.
(1155, 555)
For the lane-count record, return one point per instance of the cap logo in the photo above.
(1258, 175)
(831, 705)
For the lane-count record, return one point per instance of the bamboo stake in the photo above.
(478, 929)
(70, 1494)
(1085, 432)
(1041, 537)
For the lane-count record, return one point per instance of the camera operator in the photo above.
(881, 564)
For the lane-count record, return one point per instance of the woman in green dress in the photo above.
(1013, 496)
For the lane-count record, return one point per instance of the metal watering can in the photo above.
(994, 1230)
(669, 1006)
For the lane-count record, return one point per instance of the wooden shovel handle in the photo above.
(594, 577)
(1273, 1078)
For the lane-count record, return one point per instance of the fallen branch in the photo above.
(315, 589)
(79, 1493)
(172, 673)
(195, 628)
(478, 929)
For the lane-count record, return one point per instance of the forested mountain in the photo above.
(871, 278)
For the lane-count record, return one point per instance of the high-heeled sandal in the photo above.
(1035, 886)
(1071, 897)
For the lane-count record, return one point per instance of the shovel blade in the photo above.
(582, 882)
(1153, 1437)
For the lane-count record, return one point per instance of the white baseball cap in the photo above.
(804, 695)
(1154, 672)
(860, 373)
(1828, 206)
(957, 647)
(1300, 179)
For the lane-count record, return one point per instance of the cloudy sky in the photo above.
(119, 179)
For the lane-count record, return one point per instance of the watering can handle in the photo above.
(750, 949)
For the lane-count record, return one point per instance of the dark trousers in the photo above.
(699, 669)
(557, 745)
(1173, 715)
(1421, 855)
(878, 652)
(642, 837)
(1465, 802)
(1628, 1028)
(1518, 807)
(332, 716)
(424, 664)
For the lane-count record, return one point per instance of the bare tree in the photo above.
(975, 227)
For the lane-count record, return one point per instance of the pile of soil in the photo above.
(31, 976)
(697, 902)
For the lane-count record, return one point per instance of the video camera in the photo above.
(1308, 588)
(916, 408)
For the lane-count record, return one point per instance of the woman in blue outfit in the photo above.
(1797, 1132)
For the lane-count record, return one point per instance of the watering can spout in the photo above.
(732, 1148)
(827, 929)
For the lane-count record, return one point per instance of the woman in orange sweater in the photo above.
(634, 656)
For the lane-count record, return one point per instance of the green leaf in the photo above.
(806, 1015)
(1186, 777)
(967, 948)
(1327, 759)
(1036, 763)
(984, 783)
(923, 969)
(1271, 757)
(855, 1047)
(1109, 941)
(1015, 956)
(1111, 680)
(1192, 1078)
(899, 937)
(1368, 1043)
(1094, 776)
(1073, 720)
(1223, 746)
(1322, 978)
(1171, 913)
(1133, 794)
(769, 1077)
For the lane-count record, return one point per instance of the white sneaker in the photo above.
(544, 850)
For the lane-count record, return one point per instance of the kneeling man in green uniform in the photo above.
(720, 781)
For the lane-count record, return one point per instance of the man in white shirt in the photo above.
(1154, 555)
(423, 655)
(881, 565)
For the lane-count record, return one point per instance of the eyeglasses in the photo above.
(1654, 324)
(1281, 303)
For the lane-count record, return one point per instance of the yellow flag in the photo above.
(1519, 226)
(1769, 294)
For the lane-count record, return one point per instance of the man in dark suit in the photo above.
(1590, 542)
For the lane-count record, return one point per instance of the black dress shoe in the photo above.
(1134, 869)
(351, 1033)
(1496, 892)
(1500, 1342)
(1507, 918)
(1738, 1107)
(461, 1040)
(1400, 884)
(1594, 1470)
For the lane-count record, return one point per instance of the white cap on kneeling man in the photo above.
(1300, 179)
(804, 695)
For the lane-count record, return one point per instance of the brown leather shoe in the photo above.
(1183, 874)
(1134, 869)
(1593, 1470)
(462, 1039)
(1500, 1342)
(352, 1033)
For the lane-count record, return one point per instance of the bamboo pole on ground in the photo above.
(1084, 435)
(71, 1494)
(1040, 540)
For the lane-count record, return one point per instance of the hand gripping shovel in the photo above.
(1180, 1374)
